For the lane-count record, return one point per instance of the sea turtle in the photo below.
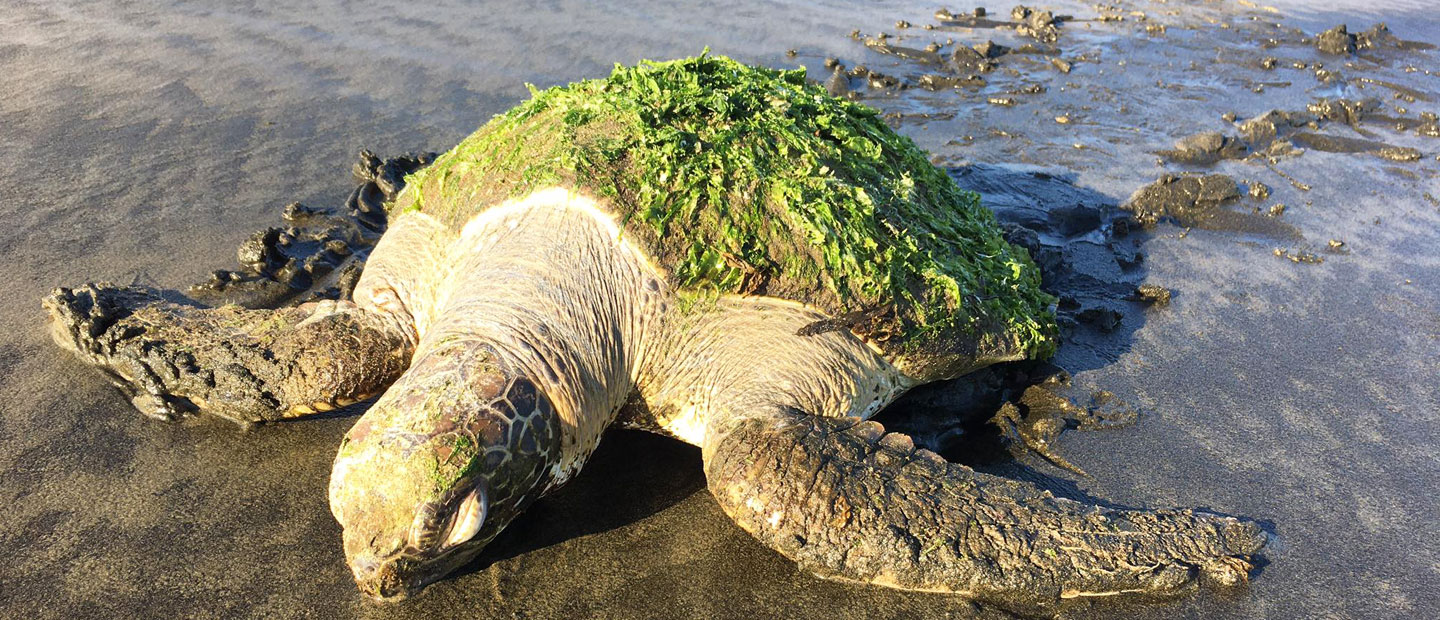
(717, 252)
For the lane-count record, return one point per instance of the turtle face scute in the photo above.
(437, 468)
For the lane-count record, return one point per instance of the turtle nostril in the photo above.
(364, 569)
(378, 580)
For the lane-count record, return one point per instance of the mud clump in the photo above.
(1042, 26)
(1034, 422)
(1379, 36)
(1299, 256)
(946, 82)
(1264, 128)
(1429, 125)
(1259, 191)
(909, 53)
(838, 84)
(319, 253)
(1336, 41)
(991, 49)
(1397, 153)
(1188, 199)
(1205, 148)
(1347, 111)
(967, 60)
(1151, 294)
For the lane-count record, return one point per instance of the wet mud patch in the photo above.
(1279, 134)
(317, 253)
(1205, 201)
(1009, 418)
(1237, 91)
(1342, 144)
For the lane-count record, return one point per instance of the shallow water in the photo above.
(144, 143)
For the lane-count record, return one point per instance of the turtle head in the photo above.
(437, 468)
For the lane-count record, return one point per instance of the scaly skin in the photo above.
(790, 458)
(247, 366)
(463, 427)
(847, 501)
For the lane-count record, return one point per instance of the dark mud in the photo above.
(1206, 148)
(1190, 200)
(1153, 294)
(319, 252)
(1202, 201)
(1339, 41)
(1088, 250)
(1278, 134)
(1342, 144)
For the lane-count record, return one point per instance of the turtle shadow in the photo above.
(630, 477)
(1090, 256)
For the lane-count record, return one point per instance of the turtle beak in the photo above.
(394, 577)
(378, 579)
(380, 576)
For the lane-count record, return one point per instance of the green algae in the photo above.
(749, 180)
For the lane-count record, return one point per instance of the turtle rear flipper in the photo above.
(173, 359)
(847, 501)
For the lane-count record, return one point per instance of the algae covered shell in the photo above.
(750, 180)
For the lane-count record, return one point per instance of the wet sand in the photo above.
(145, 144)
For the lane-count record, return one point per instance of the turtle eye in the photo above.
(469, 517)
(444, 520)
(425, 529)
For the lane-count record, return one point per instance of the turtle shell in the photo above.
(749, 180)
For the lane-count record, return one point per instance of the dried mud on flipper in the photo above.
(319, 252)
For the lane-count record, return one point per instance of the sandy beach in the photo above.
(1290, 378)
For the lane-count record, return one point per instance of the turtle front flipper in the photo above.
(789, 457)
(173, 358)
(847, 501)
